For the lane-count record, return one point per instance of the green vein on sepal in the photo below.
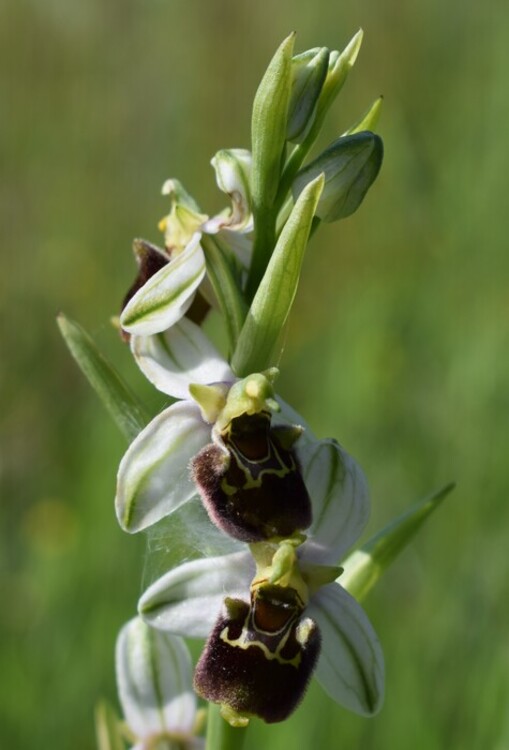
(122, 404)
(273, 300)
(363, 568)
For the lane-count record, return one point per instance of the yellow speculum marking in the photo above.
(245, 643)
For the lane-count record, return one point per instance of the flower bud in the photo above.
(309, 70)
(258, 659)
(350, 166)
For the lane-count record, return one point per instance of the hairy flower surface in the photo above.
(190, 599)
(154, 677)
(221, 443)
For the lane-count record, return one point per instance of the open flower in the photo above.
(154, 677)
(221, 443)
(168, 278)
(190, 598)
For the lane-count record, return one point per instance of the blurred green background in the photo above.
(398, 345)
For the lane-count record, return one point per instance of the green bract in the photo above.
(271, 306)
(364, 567)
(268, 125)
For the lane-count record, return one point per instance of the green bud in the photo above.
(350, 166)
(309, 71)
(269, 120)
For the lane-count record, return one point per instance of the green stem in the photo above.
(220, 734)
(228, 293)
(263, 245)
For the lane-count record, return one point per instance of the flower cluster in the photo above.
(284, 506)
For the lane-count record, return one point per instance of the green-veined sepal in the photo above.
(168, 294)
(153, 477)
(187, 600)
(233, 177)
(178, 357)
(154, 678)
(339, 496)
(351, 667)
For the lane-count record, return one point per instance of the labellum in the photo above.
(259, 658)
(251, 485)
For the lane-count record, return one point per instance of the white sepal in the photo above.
(187, 600)
(154, 677)
(180, 356)
(339, 496)
(233, 177)
(153, 477)
(167, 295)
(351, 664)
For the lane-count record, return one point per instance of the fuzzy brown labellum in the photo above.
(258, 659)
(253, 487)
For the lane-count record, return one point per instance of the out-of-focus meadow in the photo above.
(398, 344)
